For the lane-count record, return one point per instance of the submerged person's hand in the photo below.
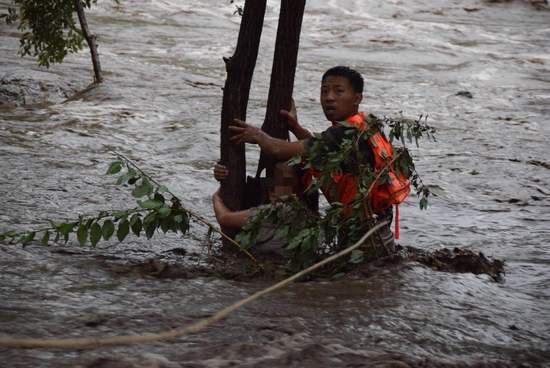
(220, 171)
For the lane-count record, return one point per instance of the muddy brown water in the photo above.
(160, 105)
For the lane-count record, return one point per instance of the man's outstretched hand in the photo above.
(241, 132)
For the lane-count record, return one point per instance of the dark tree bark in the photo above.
(240, 68)
(90, 39)
(282, 74)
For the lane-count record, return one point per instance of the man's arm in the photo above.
(278, 148)
(301, 133)
(293, 125)
(226, 217)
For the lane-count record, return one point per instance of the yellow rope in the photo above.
(96, 342)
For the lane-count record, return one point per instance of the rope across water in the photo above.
(97, 342)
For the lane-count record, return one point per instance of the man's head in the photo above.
(283, 183)
(341, 93)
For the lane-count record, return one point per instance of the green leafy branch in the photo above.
(405, 130)
(95, 228)
(402, 128)
(49, 28)
(158, 209)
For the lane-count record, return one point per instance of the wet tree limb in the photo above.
(90, 39)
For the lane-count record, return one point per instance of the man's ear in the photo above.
(358, 98)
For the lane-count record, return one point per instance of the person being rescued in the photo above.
(283, 183)
(341, 94)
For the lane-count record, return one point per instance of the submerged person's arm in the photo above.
(226, 217)
(280, 149)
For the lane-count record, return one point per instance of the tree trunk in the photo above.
(240, 68)
(282, 74)
(90, 39)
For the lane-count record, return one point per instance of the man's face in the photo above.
(285, 182)
(338, 99)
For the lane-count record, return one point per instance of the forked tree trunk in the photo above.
(90, 39)
(282, 74)
(240, 68)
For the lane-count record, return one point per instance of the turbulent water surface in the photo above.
(160, 105)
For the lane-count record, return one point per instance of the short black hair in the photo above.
(352, 75)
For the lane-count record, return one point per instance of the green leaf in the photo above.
(184, 226)
(29, 237)
(151, 217)
(299, 238)
(159, 197)
(357, 256)
(136, 225)
(150, 228)
(178, 219)
(89, 222)
(244, 239)
(423, 203)
(164, 212)
(140, 191)
(132, 173)
(122, 179)
(123, 230)
(95, 234)
(65, 229)
(114, 167)
(135, 217)
(150, 204)
(166, 224)
(45, 238)
(282, 232)
(120, 214)
(82, 234)
(108, 229)
(295, 242)
(144, 189)
(147, 185)
(296, 160)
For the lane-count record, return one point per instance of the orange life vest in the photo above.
(392, 192)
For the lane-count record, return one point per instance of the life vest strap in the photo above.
(396, 222)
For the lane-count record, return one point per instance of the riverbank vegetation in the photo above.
(50, 32)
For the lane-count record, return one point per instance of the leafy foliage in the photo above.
(311, 236)
(11, 16)
(49, 28)
(239, 9)
(412, 130)
(157, 209)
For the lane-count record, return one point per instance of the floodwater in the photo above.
(160, 105)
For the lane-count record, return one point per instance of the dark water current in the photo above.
(160, 105)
